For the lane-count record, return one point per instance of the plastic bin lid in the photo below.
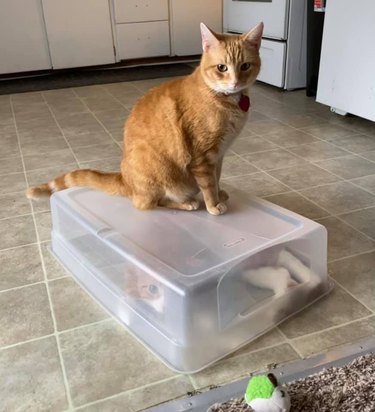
(189, 242)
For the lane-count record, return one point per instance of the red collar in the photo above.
(244, 103)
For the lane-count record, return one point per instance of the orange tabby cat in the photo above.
(177, 134)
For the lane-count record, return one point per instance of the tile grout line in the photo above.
(307, 335)
(320, 140)
(289, 341)
(100, 122)
(313, 113)
(143, 92)
(349, 181)
(291, 190)
(15, 216)
(96, 118)
(58, 277)
(63, 371)
(336, 215)
(190, 376)
(331, 142)
(223, 179)
(329, 214)
(25, 342)
(22, 286)
(350, 256)
(193, 382)
(19, 246)
(354, 211)
(61, 130)
(313, 162)
(11, 173)
(54, 334)
(351, 294)
(127, 392)
(86, 325)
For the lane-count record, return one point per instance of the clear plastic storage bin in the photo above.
(193, 287)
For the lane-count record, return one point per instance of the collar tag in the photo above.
(244, 103)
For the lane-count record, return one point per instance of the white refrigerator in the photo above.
(283, 50)
(346, 80)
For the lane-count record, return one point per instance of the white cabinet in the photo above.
(185, 19)
(142, 28)
(79, 32)
(136, 40)
(241, 16)
(273, 56)
(131, 11)
(57, 34)
(23, 42)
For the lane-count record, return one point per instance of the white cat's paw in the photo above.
(219, 209)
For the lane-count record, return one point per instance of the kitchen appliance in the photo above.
(283, 49)
(347, 62)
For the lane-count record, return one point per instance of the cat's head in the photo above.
(230, 63)
(144, 287)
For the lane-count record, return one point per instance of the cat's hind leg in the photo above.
(189, 204)
(144, 202)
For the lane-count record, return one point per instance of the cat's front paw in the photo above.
(223, 196)
(219, 209)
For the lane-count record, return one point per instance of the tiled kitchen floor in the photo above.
(61, 351)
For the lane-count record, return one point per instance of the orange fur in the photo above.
(177, 134)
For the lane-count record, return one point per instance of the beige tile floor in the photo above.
(61, 351)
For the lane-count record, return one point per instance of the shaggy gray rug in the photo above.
(350, 388)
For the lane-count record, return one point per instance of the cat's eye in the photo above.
(222, 68)
(245, 66)
(153, 289)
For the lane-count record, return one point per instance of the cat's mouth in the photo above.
(235, 90)
(228, 90)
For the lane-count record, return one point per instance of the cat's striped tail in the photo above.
(112, 183)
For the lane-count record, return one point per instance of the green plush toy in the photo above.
(264, 394)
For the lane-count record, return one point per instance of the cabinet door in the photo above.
(79, 32)
(185, 19)
(241, 16)
(135, 11)
(272, 54)
(136, 40)
(23, 42)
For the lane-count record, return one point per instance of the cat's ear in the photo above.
(209, 39)
(253, 38)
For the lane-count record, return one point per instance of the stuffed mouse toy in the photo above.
(263, 394)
